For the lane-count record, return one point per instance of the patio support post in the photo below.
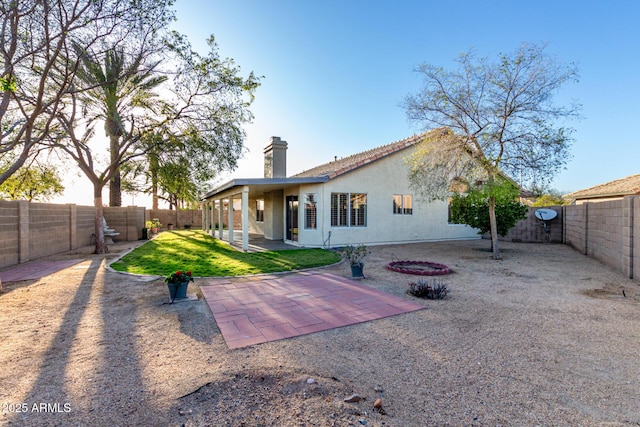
(212, 216)
(203, 206)
(220, 226)
(245, 218)
(230, 225)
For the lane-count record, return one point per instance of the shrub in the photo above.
(434, 289)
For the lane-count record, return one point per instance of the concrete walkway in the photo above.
(268, 308)
(35, 269)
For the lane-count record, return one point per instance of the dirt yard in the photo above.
(545, 337)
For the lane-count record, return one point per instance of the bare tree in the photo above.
(502, 114)
(39, 68)
(37, 75)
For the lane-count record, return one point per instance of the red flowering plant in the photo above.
(179, 278)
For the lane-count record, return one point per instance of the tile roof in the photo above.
(620, 187)
(347, 164)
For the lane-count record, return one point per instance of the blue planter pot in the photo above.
(178, 291)
(357, 270)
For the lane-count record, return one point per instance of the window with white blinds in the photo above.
(348, 210)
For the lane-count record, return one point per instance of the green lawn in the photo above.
(205, 256)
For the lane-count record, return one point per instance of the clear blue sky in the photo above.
(335, 71)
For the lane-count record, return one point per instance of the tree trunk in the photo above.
(101, 244)
(153, 166)
(115, 196)
(494, 228)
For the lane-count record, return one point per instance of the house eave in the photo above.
(264, 183)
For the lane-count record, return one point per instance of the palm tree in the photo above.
(115, 89)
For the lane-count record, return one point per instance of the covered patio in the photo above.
(266, 209)
(257, 243)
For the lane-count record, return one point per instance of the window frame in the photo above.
(259, 212)
(400, 208)
(343, 212)
(310, 211)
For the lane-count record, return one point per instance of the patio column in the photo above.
(203, 206)
(212, 217)
(245, 218)
(230, 212)
(220, 226)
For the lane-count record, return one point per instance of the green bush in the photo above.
(472, 208)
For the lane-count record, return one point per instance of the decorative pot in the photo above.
(178, 290)
(357, 270)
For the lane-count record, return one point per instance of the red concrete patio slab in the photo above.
(269, 308)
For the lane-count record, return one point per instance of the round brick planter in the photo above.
(419, 268)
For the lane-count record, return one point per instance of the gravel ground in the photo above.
(544, 337)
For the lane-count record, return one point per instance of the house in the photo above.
(364, 198)
(612, 190)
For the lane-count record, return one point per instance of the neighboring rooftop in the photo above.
(628, 186)
(347, 164)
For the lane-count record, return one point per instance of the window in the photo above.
(407, 207)
(260, 210)
(339, 209)
(348, 210)
(402, 204)
(310, 213)
(358, 208)
(397, 204)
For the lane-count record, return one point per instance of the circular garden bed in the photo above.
(420, 268)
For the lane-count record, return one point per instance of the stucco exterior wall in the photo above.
(380, 181)
(274, 215)
(255, 226)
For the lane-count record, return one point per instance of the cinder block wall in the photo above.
(85, 225)
(49, 229)
(607, 231)
(33, 230)
(575, 227)
(530, 229)
(9, 236)
(178, 218)
(128, 221)
(635, 240)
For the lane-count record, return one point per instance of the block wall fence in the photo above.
(33, 230)
(606, 231)
(530, 229)
(177, 218)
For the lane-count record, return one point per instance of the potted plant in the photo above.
(153, 225)
(355, 255)
(178, 283)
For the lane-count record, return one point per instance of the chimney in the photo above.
(275, 158)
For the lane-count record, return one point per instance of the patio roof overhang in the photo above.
(259, 186)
